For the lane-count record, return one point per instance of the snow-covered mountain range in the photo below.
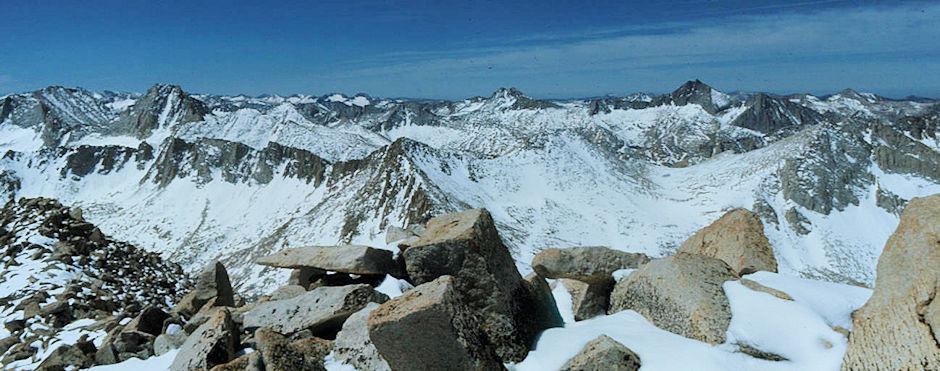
(202, 177)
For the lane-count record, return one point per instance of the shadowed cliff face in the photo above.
(768, 114)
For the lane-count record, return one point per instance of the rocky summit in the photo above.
(695, 229)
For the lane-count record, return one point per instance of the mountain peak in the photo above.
(510, 92)
(697, 92)
(693, 86)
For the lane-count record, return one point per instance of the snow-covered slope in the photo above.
(199, 177)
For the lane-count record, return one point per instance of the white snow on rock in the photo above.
(156, 363)
(798, 330)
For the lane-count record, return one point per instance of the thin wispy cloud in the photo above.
(777, 39)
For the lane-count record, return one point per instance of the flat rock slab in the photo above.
(429, 328)
(585, 263)
(353, 259)
(681, 294)
(322, 309)
(604, 354)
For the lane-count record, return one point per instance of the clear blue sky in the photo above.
(440, 49)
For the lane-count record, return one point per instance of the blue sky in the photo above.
(439, 49)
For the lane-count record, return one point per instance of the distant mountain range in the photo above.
(203, 177)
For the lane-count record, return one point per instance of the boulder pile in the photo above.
(681, 293)
(467, 307)
(60, 269)
(462, 304)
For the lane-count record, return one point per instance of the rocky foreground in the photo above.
(451, 298)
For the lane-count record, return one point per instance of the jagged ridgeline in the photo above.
(197, 178)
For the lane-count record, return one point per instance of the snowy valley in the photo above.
(197, 179)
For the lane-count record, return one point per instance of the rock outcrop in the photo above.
(604, 354)
(681, 294)
(899, 327)
(467, 246)
(737, 238)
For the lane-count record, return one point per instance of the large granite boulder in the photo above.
(211, 344)
(431, 328)
(681, 294)
(587, 263)
(603, 354)
(467, 246)
(899, 327)
(322, 310)
(353, 345)
(737, 238)
(346, 259)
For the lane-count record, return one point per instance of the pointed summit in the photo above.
(696, 92)
(513, 98)
(162, 106)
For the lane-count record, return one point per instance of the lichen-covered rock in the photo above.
(353, 345)
(430, 328)
(681, 294)
(738, 239)
(467, 246)
(278, 353)
(353, 259)
(586, 263)
(247, 362)
(322, 310)
(899, 327)
(604, 354)
(211, 344)
(314, 351)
